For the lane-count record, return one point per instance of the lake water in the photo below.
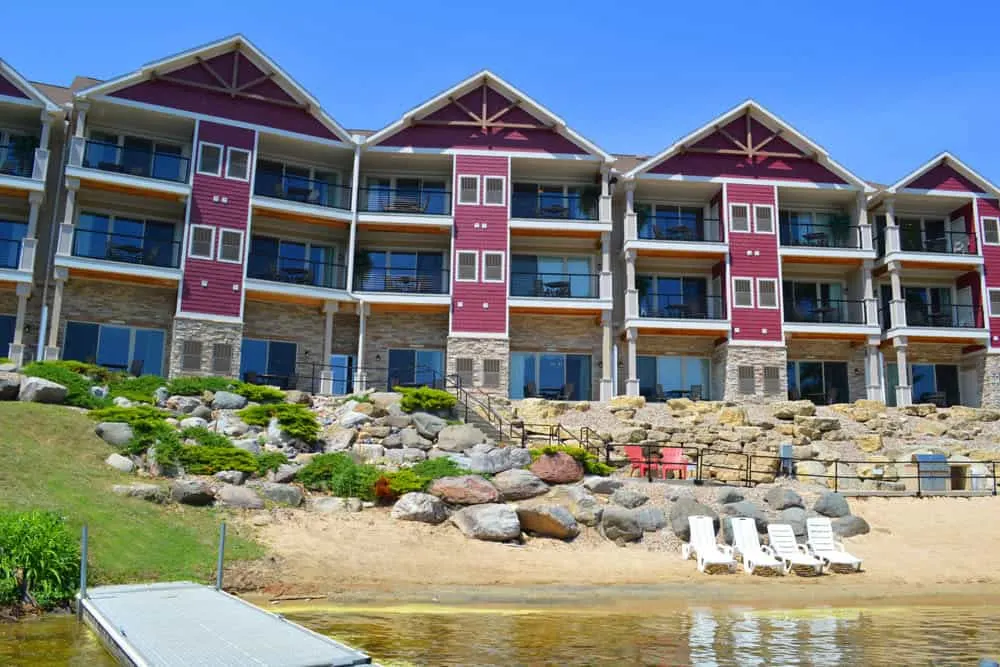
(678, 636)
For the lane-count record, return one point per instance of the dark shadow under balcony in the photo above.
(826, 311)
(555, 285)
(535, 205)
(302, 190)
(412, 201)
(126, 248)
(838, 233)
(297, 271)
(677, 227)
(133, 161)
(682, 307)
(403, 281)
(17, 159)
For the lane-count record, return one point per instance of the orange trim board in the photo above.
(572, 233)
(112, 276)
(798, 259)
(554, 311)
(298, 217)
(405, 229)
(680, 332)
(408, 308)
(141, 192)
(14, 192)
(827, 335)
(643, 252)
(270, 297)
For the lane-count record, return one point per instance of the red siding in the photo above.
(971, 279)
(527, 140)
(762, 262)
(218, 296)
(470, 234)
(219, 104)
(9, 89)
(943, 177)
(970, 223)
(990, 208)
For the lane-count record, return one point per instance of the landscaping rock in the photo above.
(120, 463)
(352, 419)
(398, 421)
(486, 459)
(519, 484)
(811, 471)
(150, 492)
(191, 492)
(464, 490)
(493, 522)
(832, 505)
(283, 494)
(122, 402)
(651, 519)
(239, 496)
(333, 505)
(160, 396)
(796, 518)
(818, 424)
(285, 473)
(231, 426)
(202, 411)
(603, 485)
(558, 468)
(10, 385)
(730, 494)
(297, 397)
(779, 498)
(193, 422)
(117, 434)
(746, 508)
(548, 521)
(619, 524)
(688, 507)
(369, 453)
(626, 403)
(38, 390)
(869, 442)
(405, 455)
(459, 438)
(791, 409)
(421, 507)
(584, 507)
(339, 440)
(410, 437)
(235, 477)
(248, 445)
(849, 526)
(428, 425)
(183, 404)
(628, 498)
(733, 416)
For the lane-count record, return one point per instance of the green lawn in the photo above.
(50, 459)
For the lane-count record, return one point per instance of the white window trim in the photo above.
(777, 296)
(222, 155)
(989, 300)
(459, 188)
(503, 267)
(774, 223)
(190, 251)
(995, 220)
(475, 266)
(752, 295)
(229, 158)
(222, 232)
(732, 217)
(503, 190)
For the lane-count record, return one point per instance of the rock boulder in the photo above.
(191, 492)
(226, 400)
(779, 498)
(10, 385)
(849, 526)
(490, 522)
(150, 492)
(39, 390)
(120, 463)
(620, 524)
(684, 508)
(428, 425)
(603, 485)
(832, 505)
(239, 496)
(519, 484)
(628, 498)
(421, 507)
(548, 521)
(282, 494)
(117, 434)
(558, 468)
(459, 438)
(464, 490)
(792, 409)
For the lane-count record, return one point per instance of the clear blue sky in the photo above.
(882, 85)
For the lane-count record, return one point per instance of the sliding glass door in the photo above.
(673, 376)
(415, 368)
(269, 361)
(139, 351)
(550, 375)
(822, 382)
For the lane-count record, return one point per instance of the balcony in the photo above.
(826, 311)
(941, 316)
(555, 285)
(302, 190)
(681, 306)
(402, 281)
(535, 205)
(954, 244)
(126, 248)
(297, 271)
(130, 161)
(837, 233)
(17, 159)
(676, 227)
(405, 201)
(10, 253)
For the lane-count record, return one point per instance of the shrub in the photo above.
(38, 558)
(205, 438)
(590, 462)
(296, 420)
(95, 373)
(148, 425)
(405, 481)
(360, 398)
(259, 393)
(425, 399)
(196, 386)
(270, 462)
(139, 389)
(77, 385)
(339, 475)
(201, 460)
(431, 469)
(5, 360)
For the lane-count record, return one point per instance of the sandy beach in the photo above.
(918, 550)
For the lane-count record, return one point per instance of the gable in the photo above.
(228, 85)
(943, 177)
(8, 88)
(482, 119)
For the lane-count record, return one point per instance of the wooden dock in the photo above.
(185, 624)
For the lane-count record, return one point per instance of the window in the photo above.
(191, 355)
(11, 234)
(423, 272)
(136, 156)
(491, 373)
(739, 218)
(301, 262)
(406, 195)
(300, 183)
(467, 266)
(230, 246)
(543, 200)
(745, 380)
(210, 159)
(994, 302)
(269, 362)
(552, 276)
(409, 368)
(222, 359)
(122, 239)
(493, 267)
(824, 382)
(131, 349)
(684, 297)
(494, 191)
(7, 332)
(238, 164)
(202, 242)
(549, 374)
(463, 367)
(17, 153)
(673, 376)
(468, 190)
(820, 302)
(672, 222)
(772, 380)
(767, 293)
(742, 293)
(991, 231)
(763, 219)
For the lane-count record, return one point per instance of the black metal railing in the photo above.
(681, 306)
(17, 159)
(838, 233)
(10, 253)
(952, 243)
(406, 281)
(127, 248)
(675, 227)
(945, 316)
(826, 311)
(547, 206)
(414, 201)
(555, 285)
(304, 190)
(297, 271)
(136, 161)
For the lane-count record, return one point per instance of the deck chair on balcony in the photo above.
(796, 556)
(823, 545)
(711, 555)
(747, 549)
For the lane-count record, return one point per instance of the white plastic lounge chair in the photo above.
(797, 558)
(710, 554)
(823, 545)
(748, 549)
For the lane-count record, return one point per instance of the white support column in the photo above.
(903, 394)
(873, 371)
(864, 227)
(352, 236)
(897, 306)
(326, 371)
(29, 243)
(15, 350)
(870, 302)
(43, 138)
(631, 225)
(604, 206)
(607, 358)
(605, 285)
(52, 349)
(360, 374)
(631, 292)
(80, 130)
(65, 245)
(632, 381)
(891, 229)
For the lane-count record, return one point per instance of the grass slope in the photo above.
(50, 459)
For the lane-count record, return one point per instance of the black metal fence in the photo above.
(302, 189)
(839, 233)
(555, 285)
(297, 271)
(407, 281)
(826, 311)
(129, 248)
(677, 227)
(136, 161)
(416, 200)
(682, 306)
(17, 158)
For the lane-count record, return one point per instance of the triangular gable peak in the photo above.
(748, 143)
(485, 113)
(944, 173)
(16, 86)
(229, 79)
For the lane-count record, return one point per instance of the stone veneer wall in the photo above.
(292, 323)
(345, 333)
(734, 356)
(479, 349)
(574, 334)
(209, 333)
(988, 372)
(835, 350)
(400, 330)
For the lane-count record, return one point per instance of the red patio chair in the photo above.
(637, 458)
(673, 458)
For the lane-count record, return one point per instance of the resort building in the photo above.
(205, 215)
